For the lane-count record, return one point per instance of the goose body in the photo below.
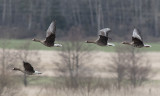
(103, 38)
(50, 36)
(137, 40)
(28, 69)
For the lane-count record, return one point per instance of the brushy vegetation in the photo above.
(49, 86)
(60, 82)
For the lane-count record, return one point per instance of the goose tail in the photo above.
(37, 72)
(146, 45)
(57, 45)
(111, 44)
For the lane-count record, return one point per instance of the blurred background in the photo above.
(79, 69)
(29, 18)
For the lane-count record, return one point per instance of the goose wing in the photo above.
(104, 32)
(50, 36)
(136, 37)
(102, 40)
(51, 29)
(103, 36)
(28, 67)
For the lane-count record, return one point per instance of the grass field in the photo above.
(17, 44)
(48, 84)
(40, 80)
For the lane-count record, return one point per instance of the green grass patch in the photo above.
(34, 80)
(19, 44)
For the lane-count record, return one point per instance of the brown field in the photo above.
(98, 64)
(36, 91)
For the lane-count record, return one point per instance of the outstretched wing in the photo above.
(104, 32)
(28, 67)
(50, 36)
(51, 29)
(103, 36)
(136, 37)
(137, 34)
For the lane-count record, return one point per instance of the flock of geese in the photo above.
(102, 40)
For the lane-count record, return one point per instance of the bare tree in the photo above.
(25, 54)
(138, 67)
(118, 65)
(4, 11)
(73, 58)
(155, 4)
(123, 14)
(129, 64)
(7, 58)
(91, 11)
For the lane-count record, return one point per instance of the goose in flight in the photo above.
(137, 40)
(28, 69)
(103, 38)
(50, 36)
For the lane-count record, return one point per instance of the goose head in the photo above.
(125, 42)
(90, 41)
(34, 39)
(15, 69)
(86, 41)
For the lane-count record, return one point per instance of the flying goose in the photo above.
(50, 36)
(28, 69)
(103, 38)
(137, 40)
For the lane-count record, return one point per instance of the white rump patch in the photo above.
(37, 72)
(146, 45)
(110, 44)
(57, 45)
(136, 35)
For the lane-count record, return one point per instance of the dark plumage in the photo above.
(103, 38)
(50, 36)
(28, 69)
(137, 40)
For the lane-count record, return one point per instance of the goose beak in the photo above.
(122, 42)
(33, 39)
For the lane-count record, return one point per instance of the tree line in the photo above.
(25, 18)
